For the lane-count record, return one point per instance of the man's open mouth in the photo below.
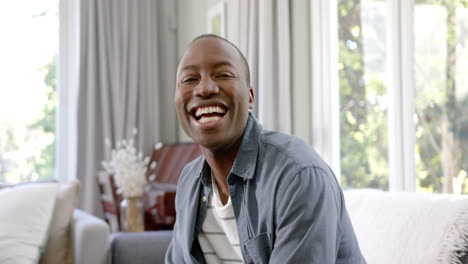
(209, 113)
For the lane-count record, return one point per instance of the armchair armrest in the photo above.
(159, 201)
(90, 238)
(140, 248)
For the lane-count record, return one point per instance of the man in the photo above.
(254, 196)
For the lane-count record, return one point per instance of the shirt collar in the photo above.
(205, 173)
(246, 158)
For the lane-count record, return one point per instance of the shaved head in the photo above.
(244, 60)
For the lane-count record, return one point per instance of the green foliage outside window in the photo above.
(27, 153)
(44, 164)
(441, 122)
(363, 113)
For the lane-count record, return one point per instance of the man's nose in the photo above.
(206, 87)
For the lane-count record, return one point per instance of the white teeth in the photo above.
(204, 120)
(208, 110)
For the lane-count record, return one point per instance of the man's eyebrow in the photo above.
(190, 67)
(216, 65)
(222, 63)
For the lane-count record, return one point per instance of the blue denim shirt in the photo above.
(289, 208)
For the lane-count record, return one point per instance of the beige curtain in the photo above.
(118, 84)
(263, 36)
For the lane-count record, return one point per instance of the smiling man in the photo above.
(254, 196)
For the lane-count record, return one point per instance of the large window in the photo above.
(28, 52)
(438, 79)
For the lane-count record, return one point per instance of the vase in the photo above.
(132, 214)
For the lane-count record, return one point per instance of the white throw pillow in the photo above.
(25, 215)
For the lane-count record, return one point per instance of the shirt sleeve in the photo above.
(309, 212)
(170, 254)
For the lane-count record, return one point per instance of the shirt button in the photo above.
(245, 179)
(204, 198)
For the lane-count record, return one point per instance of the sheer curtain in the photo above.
(117, 84)
(324, 82)
(263, 36)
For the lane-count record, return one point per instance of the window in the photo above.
(363, 93)
(422, 63)
(28, 53)
(441, 95)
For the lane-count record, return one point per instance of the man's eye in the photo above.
(224, 75)
(188, 80)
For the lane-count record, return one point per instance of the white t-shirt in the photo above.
(219, 239)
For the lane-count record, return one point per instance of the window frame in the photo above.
(67, 90)
(400, 82)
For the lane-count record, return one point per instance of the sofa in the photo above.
(40, 224)
(139, 248)
(89, 239)
(391, 227)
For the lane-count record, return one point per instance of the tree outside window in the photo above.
(28, 90)
(441, 94)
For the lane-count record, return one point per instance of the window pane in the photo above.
(363, 94)
(28, 52)
(441, 70)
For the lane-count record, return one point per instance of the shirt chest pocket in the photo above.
(258, 249)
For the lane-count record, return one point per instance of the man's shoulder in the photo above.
(291, 149)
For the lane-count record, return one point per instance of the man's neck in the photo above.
(221, 162)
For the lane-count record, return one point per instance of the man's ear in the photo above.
(251, 99)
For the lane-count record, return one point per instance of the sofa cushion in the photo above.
(396, 227)
(25, 212)
(58, 250)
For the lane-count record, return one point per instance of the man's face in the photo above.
(212, 96)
